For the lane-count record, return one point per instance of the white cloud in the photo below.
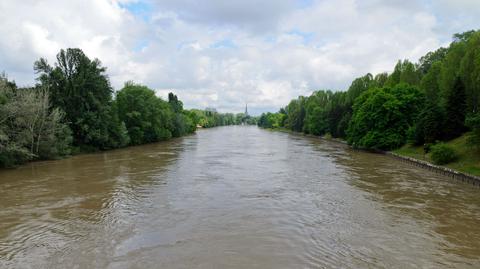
(225, 53)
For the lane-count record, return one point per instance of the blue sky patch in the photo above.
(225, 43)
(140, 9)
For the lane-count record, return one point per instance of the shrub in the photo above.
(442, 154)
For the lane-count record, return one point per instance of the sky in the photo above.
(224, 54)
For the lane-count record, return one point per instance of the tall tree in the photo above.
(80, 87)
(470, 72)
(429, 125)
(176, 104)
(455, 110)
(426, 62)
(295, 114)
(430, 122)
(451, 68)
(404, 72)
(381, 117)
(147, 117)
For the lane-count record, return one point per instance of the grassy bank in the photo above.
(468, 160)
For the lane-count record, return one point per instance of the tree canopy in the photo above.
(432, 100)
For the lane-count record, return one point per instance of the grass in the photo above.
(468, 160)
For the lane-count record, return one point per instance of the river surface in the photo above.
(236, 197)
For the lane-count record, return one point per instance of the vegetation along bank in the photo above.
(73, 108)
(427, 110)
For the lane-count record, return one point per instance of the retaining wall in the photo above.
(437, 169)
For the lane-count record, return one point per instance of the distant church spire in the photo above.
(246, 109)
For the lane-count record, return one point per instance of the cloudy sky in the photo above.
(223, 54)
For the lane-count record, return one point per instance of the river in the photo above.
(236, 197)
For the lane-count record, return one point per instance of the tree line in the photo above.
(211, 118)
(436, 99)
(73, 108)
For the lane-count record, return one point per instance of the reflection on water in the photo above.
(236, 197)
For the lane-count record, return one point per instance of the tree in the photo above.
(315, 120)
(360, 85)
(80, 88)
(295, 114)
(29, 127)
(176, 105)
(432, 57)
(147, 117)
(404, 72)
(463, 37)
(381, 79)
(470, 72)
(119, 136)
(455, 110)
(451, 69)
(382, 116)
(429, 126)
(410, 74)
(182, 123)
(264, 120)
(211, 118)
(336, 110)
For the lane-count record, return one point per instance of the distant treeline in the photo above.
(211, 118)
(73, 108)
(436, 99)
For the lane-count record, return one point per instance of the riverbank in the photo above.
(466, 168)
(468, 158)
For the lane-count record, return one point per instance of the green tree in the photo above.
(177, 105)
(29, 127)
(315, 121)
(147, 117)
(404, 72)
(382, 116)
(470, 72)
(80, 88)
(295, 114)
(451, 69)
(463, 37)
(455, 110)
(429, 125)
(427, 61)
(182, 122)
(381, 79)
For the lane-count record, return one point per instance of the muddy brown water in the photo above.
(236, 197)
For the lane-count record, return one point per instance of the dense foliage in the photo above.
(73, 109)
(146, 117)
(29, 127)
(436, 99)
(442, 154)
(79, 87)
(211, 118)
(383, 116)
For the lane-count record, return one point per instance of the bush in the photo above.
(442, 154)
